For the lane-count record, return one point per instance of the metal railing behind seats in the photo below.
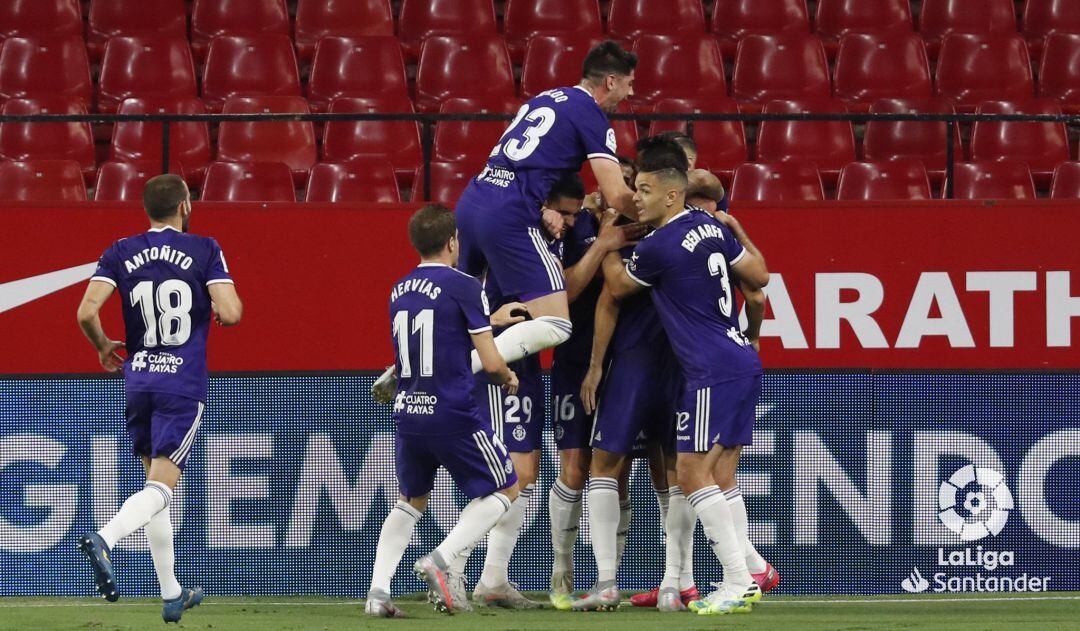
(427, 122)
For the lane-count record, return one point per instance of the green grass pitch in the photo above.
(1057, 610)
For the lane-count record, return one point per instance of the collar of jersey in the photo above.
(686, 211)
(433, 265)
(162, 229)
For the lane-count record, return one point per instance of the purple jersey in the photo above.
(639, 324)
(434, 311)
(554, 133)
(582, 311)
(687, 263)
(162, 276)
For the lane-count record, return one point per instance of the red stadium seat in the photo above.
(448, 180)
(1066, 184)
(364, 67)
(316, 19)
(290, 142)
(721, 145)
(1043, 17)
(837, 18)
(155, 20)
(873, 67)
(553, 61)
(1041, 145)
(471, 141)
(998, 179)
(189, 142)
(248, 182)
(829, 145)
(458, 67)
(46, 68)
(630, 19)
(626, 132)
(974, 68)
(777, 182)
(1059, 70)
(395, 141)
(124, 181)
(40, 18)
(677, 67)
(138, 67)
(368, 181)
(940, 18)
(215, 18)
(41, 181)
(925, 141)
(422, 19)
(525, 20)
(904, 179)
(48, 141)
(258, 65)
(733, 20)
(775, 67)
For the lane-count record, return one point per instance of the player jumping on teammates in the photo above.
(500, 214)
(689, 262)
(171, 282)
(439, 315)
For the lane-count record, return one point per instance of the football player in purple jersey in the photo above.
(171, 283)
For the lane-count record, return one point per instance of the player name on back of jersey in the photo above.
(418, 285)
(696, 235)
(164, 253)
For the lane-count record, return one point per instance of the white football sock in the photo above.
(136, 511)
(397, 531)
(564, 507)
(528, 338)
(159, 533)
(715, 515)
(458, 566)
(754, 561)
(662, 503)
(477, 518)
(626, 513)
(679, 529)
(503, 538)
(604, 526)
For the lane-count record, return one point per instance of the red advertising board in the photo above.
(930, 285)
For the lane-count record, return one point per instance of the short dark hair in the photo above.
(569, 187)
(431, 228)
(607, 58)
(658, 154)
(685, 141)
(162, 196)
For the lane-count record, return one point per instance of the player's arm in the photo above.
(754, 299)
(750, 268)
(617, 279)
(97, 292)
(611, 238)
(607, 314)
(226, 303)
(493, 363)
(702, 183)
(612, 186)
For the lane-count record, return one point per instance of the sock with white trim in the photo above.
(712, 509)
(136, 511)
(564, 507)
(679, 529)
(754, 561)
(159, 533)
(504, 538)
(528, 338)
(662, 504)
(397, 531)
(477, 518)
(604, 527)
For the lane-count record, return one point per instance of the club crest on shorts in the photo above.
(519, 433)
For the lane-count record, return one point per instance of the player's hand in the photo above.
(612, 237)
(727, 219)
(756, 343)
(589, 387)
(593, 202)
(110, 360)
(511, 383)
(217, 316)
(502, 316)
(553, 222)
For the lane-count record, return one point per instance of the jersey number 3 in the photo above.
(718, 267)
(541, 119)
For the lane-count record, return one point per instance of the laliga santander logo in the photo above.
(915, 583)
(974, 503)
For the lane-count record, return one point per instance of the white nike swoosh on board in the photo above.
(19, 292)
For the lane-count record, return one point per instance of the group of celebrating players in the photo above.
(634, 287)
